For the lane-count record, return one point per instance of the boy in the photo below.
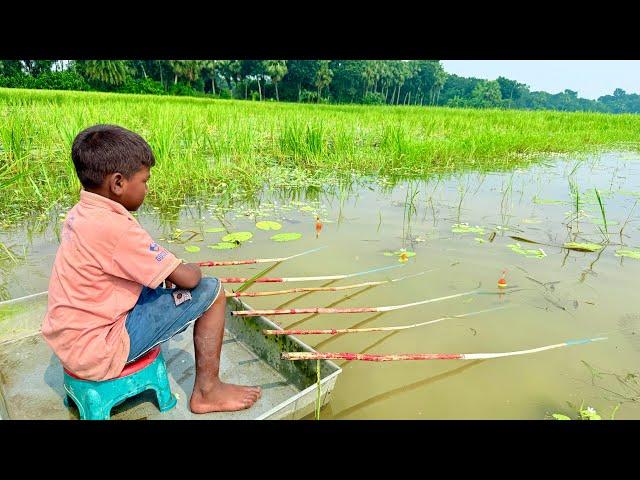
(106, 307)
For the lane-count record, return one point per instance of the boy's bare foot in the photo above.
(223, 397)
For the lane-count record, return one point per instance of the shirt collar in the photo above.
(99, 201)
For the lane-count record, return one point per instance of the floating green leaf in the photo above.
(516, 247)
(214, 230)
(286, 237)
(480, 240)
(307, 208)
(223, 245)
(268, 225)
(465, 228)
(531, 220)
(522, 239)
(583, 247)
(628, 253)
(559, 416)
(237, 236)
(192, 248)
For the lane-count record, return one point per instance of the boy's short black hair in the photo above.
(103, 149)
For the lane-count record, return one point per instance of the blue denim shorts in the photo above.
(155, 318)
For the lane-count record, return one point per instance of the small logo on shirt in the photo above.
(154, 247)
(161, 255)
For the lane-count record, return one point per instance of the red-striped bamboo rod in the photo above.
(322, 289)
(304, 279)
(334, 331)
(294, 311)
(425, 356)
(256, 260)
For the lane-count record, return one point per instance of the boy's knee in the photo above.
(211, 286)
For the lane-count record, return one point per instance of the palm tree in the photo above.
(111, 72)
(276, 69)
(188, 69)
(440, 79)
(323, 76)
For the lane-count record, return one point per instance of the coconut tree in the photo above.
(187, 69)
(276, 69)
(110, 72)
(440, 78)
(323, 76)
(209, 69)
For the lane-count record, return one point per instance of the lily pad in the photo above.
(583, 247)
(307, 208)
(268, 225)
(480, 240)
(223, 245)
(237, 236)
(628, 253)
(192, 248)
(465, 228)
(559, 416)
(286, 237)
(214, 230)
(538, 253)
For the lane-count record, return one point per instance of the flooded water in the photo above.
(553, 295)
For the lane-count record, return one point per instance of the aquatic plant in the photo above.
(537, 253)
(268, 225)
(465, 228)
(286, 237)
(604, 216)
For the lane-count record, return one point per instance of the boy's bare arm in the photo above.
(186, 275)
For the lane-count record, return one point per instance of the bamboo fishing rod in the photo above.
(426, 356)
(255, 260)
(303, 279)
(293, 311)
(323, 289)
(334, 331)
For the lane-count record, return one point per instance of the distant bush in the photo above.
(182, 89)
(145, 86)
(225, 93)
(373, 98)
(66, 80)
(308, 96)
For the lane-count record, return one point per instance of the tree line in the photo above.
(372, 82)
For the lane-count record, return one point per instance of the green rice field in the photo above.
(208, 146)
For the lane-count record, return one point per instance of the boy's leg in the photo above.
(209, 393)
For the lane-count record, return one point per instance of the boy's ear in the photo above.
(116, 183)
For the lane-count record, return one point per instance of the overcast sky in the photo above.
(590, 78)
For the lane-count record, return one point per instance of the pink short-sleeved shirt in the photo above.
(104, 259)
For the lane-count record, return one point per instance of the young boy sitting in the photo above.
(106, 306)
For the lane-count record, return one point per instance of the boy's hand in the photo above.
(168, 284)
(186, 275)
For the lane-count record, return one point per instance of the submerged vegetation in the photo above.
(226, 147)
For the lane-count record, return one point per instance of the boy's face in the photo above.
(134, 189)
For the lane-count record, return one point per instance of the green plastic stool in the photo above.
(96, 399)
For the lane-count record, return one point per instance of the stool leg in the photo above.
(166, 400)
(94, 410)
